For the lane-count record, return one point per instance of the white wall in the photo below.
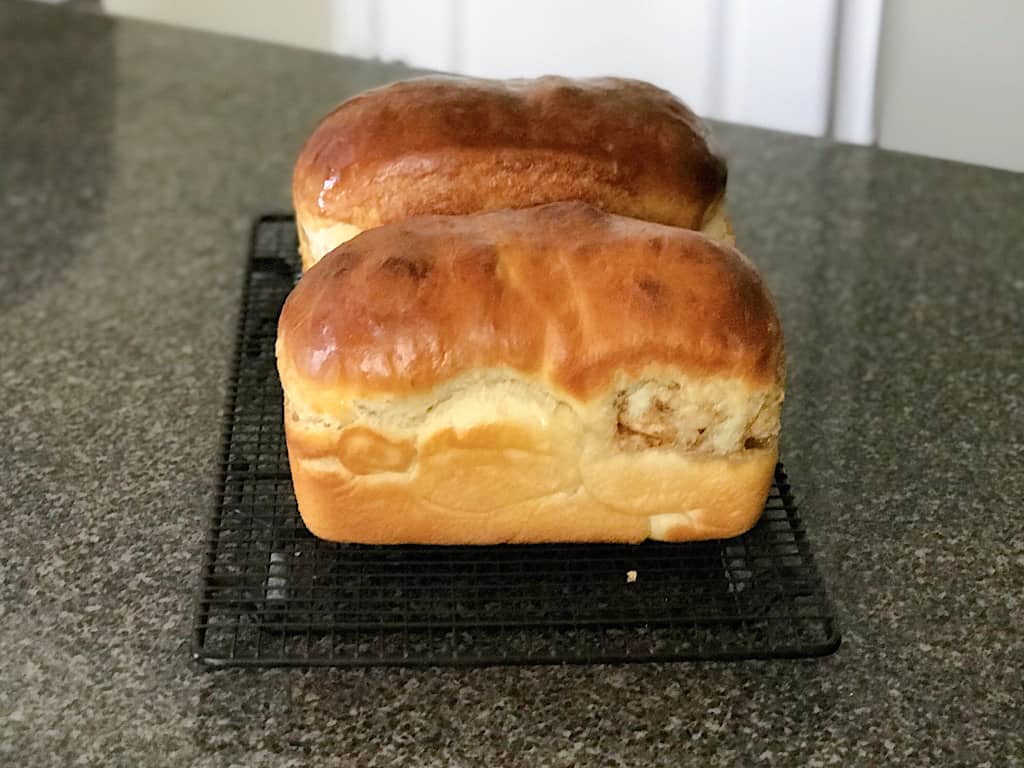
(950, 73)
(777, 64)
(766, 64)
(740, 60)
(667, 43)
(748, 61)
(951, 80)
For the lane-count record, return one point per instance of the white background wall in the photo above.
(766, 64)
(952, 80)
(938, 77)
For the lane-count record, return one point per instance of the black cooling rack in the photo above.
(273, 595)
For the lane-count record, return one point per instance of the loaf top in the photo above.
(565, 294)
(452, 145)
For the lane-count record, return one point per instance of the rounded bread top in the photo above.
(454, 145)
(564, 293)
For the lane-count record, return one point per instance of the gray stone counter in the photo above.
(132, 160)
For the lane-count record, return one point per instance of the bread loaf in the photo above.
(554, 373)
(450, 145)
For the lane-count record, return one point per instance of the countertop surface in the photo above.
(132, 161)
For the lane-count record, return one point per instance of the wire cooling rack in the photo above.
(271, 594)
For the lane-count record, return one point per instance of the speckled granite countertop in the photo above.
(132, 159)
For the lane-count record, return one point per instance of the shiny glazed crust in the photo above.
(449, 145)
(547, 374)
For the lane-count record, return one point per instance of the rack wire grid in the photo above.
(272, 594)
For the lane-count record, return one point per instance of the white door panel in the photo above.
(777, 69)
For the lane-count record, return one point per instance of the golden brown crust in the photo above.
(554, 373)
(448, 145)
(564, 293)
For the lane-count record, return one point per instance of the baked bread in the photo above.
(546, 374)
(452, 145)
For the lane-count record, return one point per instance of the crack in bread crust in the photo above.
(679, 414)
